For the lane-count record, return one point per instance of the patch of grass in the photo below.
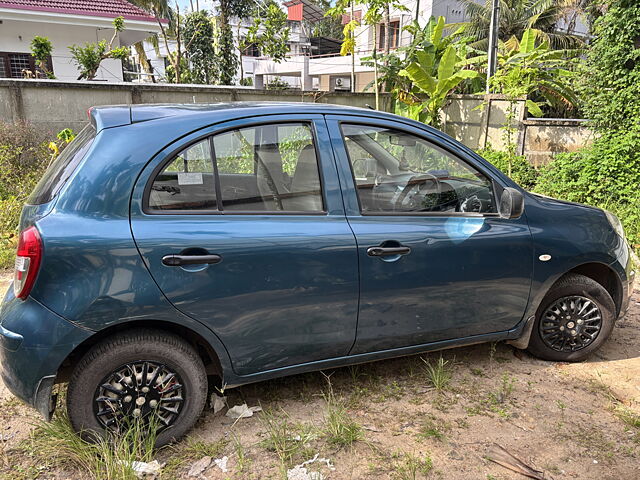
(409, 466)
(438, 373)
(196, 448)
(592, 440)
(55, 444)
(189, 450)
(432, 428)
(7, 256)
(497, 401)
(505, 390)
(243, 462)
(630, 418)
(598, 386)
(462, 423)
(340, 429)
(442, 403)
(289, 441)
(392, 391)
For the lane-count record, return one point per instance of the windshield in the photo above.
(61, 169)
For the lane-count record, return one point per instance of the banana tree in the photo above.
(433, 82)
(527, 67)
(530, 69)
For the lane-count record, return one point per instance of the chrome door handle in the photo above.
(179, 260)
(388, 251)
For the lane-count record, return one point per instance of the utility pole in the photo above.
(494, 30)
(353, 54)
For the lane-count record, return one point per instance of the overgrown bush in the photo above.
(23, 158)
(606, 175)
(517, 167)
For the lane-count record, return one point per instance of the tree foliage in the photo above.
(433, 77)
(611, 78)
(526, 66)
(607, 173)
(198, 35)
(516, 16)
(431, 37)
(90, 56)
(41, 49)
(270, 33)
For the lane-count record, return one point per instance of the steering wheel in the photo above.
(407, 198)
(473, 203)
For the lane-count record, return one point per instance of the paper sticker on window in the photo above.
(190, 178)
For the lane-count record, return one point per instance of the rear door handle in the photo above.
(179, 260)
(388, 251)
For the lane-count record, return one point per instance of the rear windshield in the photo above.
(62, 168)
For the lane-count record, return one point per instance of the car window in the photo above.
(398, 172)
(265, 168)
(61, 169)
(186, 182)
(268, 168)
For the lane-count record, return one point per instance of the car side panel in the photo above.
(572, 235)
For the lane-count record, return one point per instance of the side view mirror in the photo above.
(511, 203)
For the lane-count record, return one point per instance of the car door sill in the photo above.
(233, 380)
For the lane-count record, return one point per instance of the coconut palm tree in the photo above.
(159, 9)
(516, 16)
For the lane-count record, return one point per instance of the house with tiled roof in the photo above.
(65, 23)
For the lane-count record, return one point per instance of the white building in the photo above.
(65, 24)
(332, 71)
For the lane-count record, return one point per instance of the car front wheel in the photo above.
(574, 320)
(145, 375)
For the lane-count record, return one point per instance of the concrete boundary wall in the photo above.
(475, 120)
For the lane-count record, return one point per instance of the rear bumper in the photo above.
(34, 341)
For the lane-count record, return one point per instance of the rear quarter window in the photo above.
(61, 169)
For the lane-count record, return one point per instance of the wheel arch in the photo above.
(212, 358)
(597, 271)
(604, 275)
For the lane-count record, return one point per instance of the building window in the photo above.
(17, 65)
(251, 51)
(394, 34)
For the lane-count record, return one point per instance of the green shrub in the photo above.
(23, 158)
(606, 175)
(610, 80)
(517, 167)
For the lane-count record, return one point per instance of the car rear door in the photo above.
(242, 227)
(436, 260)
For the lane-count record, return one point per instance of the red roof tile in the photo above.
(90, 8)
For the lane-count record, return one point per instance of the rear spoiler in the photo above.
(119, 115)
(108, 117)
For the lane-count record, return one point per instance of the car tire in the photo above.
(130, 351)
(550, 328)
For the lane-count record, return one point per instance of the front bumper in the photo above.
(34, 342)
(624, 267)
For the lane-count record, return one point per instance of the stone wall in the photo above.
(55, 105)
(474, 120)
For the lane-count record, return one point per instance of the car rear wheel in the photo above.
(574, 320)
(146, 376)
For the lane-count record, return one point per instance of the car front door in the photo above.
(242, 226)
(436, 260)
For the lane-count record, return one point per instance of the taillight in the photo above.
(28, 259)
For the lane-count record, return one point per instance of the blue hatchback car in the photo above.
(169, 244)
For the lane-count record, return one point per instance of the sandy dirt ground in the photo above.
(562, 419)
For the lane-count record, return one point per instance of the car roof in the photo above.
(119, 115)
